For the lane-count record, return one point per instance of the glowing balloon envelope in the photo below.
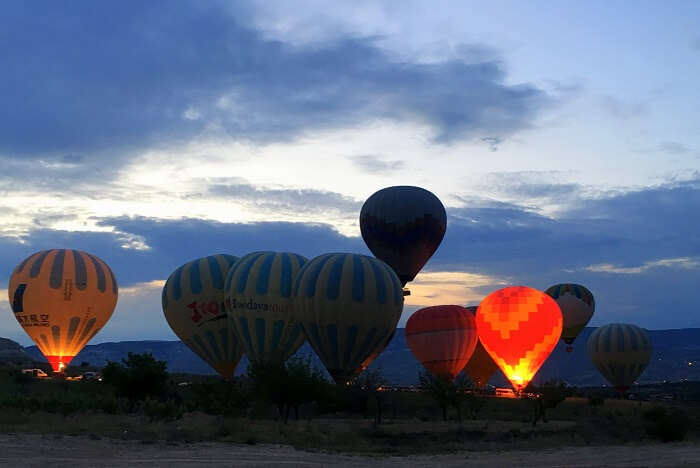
(260, 305)
(193, 304)
(577, 306)
(349, 306)
(620, 352)
(442, 338)
(62, 298)
(403, 226)
(519, 327)
(480, 367)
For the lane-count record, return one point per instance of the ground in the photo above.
(25, 450)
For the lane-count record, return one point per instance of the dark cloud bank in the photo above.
(507, 241)
(100, 78)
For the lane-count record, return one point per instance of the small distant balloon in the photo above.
(519, 327)
(349, 306)
(577, 307)
(403, 226)
(62, 298)
(620, 352)
(442, 338)
(261, 307)
(193, 304)
(480, 367)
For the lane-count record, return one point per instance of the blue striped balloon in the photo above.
(349, 306)
(620, 352)
(193, 304)
(261, 307)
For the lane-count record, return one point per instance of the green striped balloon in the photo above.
(260, 305)
(349, 306)
(620, 352)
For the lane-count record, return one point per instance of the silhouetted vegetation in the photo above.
(190, 408)
(450, 393)
(547, 396)
(138, 377)
(287, 385)
(667, 425)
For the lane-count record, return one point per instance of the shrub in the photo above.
(161, 410)
(140, 376)
(667, 426)
(596, 400)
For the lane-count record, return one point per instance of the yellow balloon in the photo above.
(62, 298)
(193, 304)
(261, 307)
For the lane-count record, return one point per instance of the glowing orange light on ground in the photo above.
(519, 327)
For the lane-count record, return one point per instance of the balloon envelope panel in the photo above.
(62, 298)
(519, 327)
(403, 226)
(349, 306)
(620, 352)
(577, 307)
(261, 307)
(193, 304)
(480, 367)
(442, 338)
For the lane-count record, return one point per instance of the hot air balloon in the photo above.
(442, 338)
(349, 306)
(403, 226)
(577, 306)
(480, 367)
(260, 305)
(519, 327)
(620, 352)
(193, 304)
(62, 298)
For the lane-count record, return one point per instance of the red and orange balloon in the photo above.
(442, 338)
(519, 327)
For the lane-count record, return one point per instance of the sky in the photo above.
(562, 137)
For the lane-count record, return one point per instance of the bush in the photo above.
(161, 410)
(217, 398)
(667, 426)
(287, 385)
(448, 392)
(596, 400)
(140, 376)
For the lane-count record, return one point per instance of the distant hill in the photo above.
(676, 357)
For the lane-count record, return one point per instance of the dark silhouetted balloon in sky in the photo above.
(403, 226)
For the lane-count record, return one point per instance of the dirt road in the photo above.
(24, 450)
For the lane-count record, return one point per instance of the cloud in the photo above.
(450, 287)
(375, 165)
(673, 147)
(274, 198)
(112, 79)
(624, 109)
(493, 142)
(684, 263)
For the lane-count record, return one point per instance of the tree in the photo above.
(138, 377)
(547, 396)
(447, 392)
(287, 385)
(368, 387)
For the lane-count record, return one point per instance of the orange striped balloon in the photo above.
(519, 327)
(62, 298)
(442, 338)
